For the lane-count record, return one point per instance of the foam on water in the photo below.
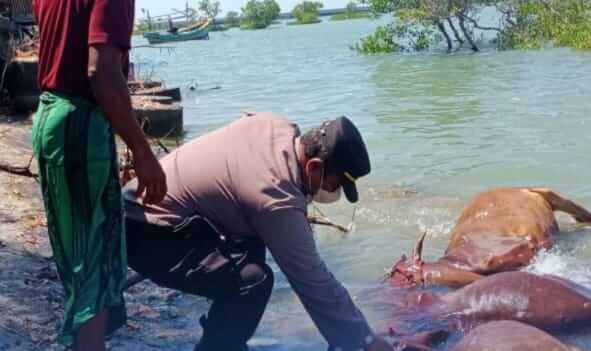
(435, 222)
(560, 262)
(422, 217)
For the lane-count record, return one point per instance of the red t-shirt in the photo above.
(67, 28)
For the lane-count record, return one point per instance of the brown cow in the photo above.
(501, 230)
(546, 302)
(509, 336)
(491, 336)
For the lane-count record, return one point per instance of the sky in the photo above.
(159, 7)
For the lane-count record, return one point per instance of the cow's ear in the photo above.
(417, 253)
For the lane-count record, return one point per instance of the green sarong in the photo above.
(78, 169)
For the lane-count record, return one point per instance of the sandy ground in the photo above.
(30, 291)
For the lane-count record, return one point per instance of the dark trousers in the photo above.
(194, 259)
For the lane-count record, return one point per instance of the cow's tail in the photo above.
(560, 203)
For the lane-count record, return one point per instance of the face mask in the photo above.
(326, 197)
(310, 184)
(323, 196)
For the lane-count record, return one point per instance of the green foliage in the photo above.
(527, 33)
(258, 14)
(525, 24)
(381, 6)
(272, 9)
(306, 12)
(141, 28)
(573, 27)
(409, 33)
(351, 12)
(414, 37)
(346, 16)
(351, 7)
(209, 8)
(564, 23)
(382, 41)
(416, 26)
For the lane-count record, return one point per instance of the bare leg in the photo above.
(91, 336)
(559, 203)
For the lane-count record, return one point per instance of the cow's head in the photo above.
(409, 272)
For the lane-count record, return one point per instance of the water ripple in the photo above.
(450, 125)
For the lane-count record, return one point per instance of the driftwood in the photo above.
(321, 220)
(20, 171)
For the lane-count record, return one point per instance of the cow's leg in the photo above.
(443, 272)
(560, 203)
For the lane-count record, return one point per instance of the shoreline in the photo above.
(31, 297)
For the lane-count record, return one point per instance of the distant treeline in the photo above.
(259, 14)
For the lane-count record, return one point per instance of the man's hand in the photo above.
(379, 344)
(151, 177)
(109, 87)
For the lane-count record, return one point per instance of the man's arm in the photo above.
(110, 90)
(289, 237)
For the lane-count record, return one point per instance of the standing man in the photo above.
(83, 47)
(232, 194)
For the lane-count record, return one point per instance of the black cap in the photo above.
(345, 153)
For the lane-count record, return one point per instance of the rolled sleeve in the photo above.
(111, 22)
(290, 240)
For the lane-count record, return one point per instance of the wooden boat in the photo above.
(160, 117)
(197, 31)
(173, 93)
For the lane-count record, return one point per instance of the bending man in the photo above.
(233, 193)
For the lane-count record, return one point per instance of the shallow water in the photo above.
(445, 126)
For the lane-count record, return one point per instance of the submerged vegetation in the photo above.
(352, 11)
(259, 14)
(141, 28)
(306, 12)
(381, 40)
(563, 23)
(211, 9)
(522, 24)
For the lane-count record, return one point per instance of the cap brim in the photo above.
(350, 190)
